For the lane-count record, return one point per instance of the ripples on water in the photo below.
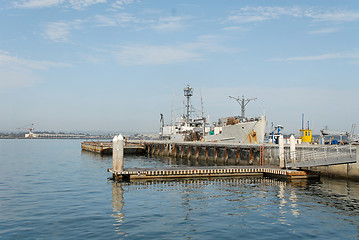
(49, 189)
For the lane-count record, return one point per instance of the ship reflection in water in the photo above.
(235, 207)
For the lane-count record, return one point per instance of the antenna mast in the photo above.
(188, 92)
(203, 118)
(202, 106)
(243, 102)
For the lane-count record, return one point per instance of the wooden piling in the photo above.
(205, 153)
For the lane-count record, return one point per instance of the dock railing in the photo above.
(309, 156)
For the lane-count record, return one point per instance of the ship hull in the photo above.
(245, 133)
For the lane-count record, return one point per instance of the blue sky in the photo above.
(100, 65)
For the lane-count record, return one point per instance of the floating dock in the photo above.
(213, 171)
(105, 147)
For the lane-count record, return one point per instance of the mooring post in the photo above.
(281, 151)
(114, 153)
(120, 145)
(117, 153)
(292, 149)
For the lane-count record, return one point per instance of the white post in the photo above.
(281, 151)
(120, 144)
(117, 153)
(114, 153)
(292, 148)
(357, 153)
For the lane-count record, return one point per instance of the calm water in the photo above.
(49, 189)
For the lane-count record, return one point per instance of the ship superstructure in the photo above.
(236, 129)
(186, 127)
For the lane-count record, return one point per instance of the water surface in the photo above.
(50, 189)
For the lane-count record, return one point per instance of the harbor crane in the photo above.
(29, 127)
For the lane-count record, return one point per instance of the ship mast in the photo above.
(203, 118)
(243, 102)
(188, 92)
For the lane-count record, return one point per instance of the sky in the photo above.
(114, 66)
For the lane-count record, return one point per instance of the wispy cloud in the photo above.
(121, 19)
(80, 4)
(143, 54)
(19, 72)
(37, 3)
(340, 55)
(105, 21)
(121, 4)
(258, 14)
(169, 23)
(6, 60)
(334, 16)
(76, 4)
(324, 31)
(60, 31)
(161, 24)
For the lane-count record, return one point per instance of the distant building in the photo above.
(60, 136)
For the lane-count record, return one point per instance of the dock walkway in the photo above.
(213, 171)
(321, 155)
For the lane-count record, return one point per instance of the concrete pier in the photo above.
(251, 156)
(105, 147)
(333, 161)
(330, 160)
(100, 147)
(216, 153)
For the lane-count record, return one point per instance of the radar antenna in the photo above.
(243, 102)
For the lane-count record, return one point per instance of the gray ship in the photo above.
(235, 129)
